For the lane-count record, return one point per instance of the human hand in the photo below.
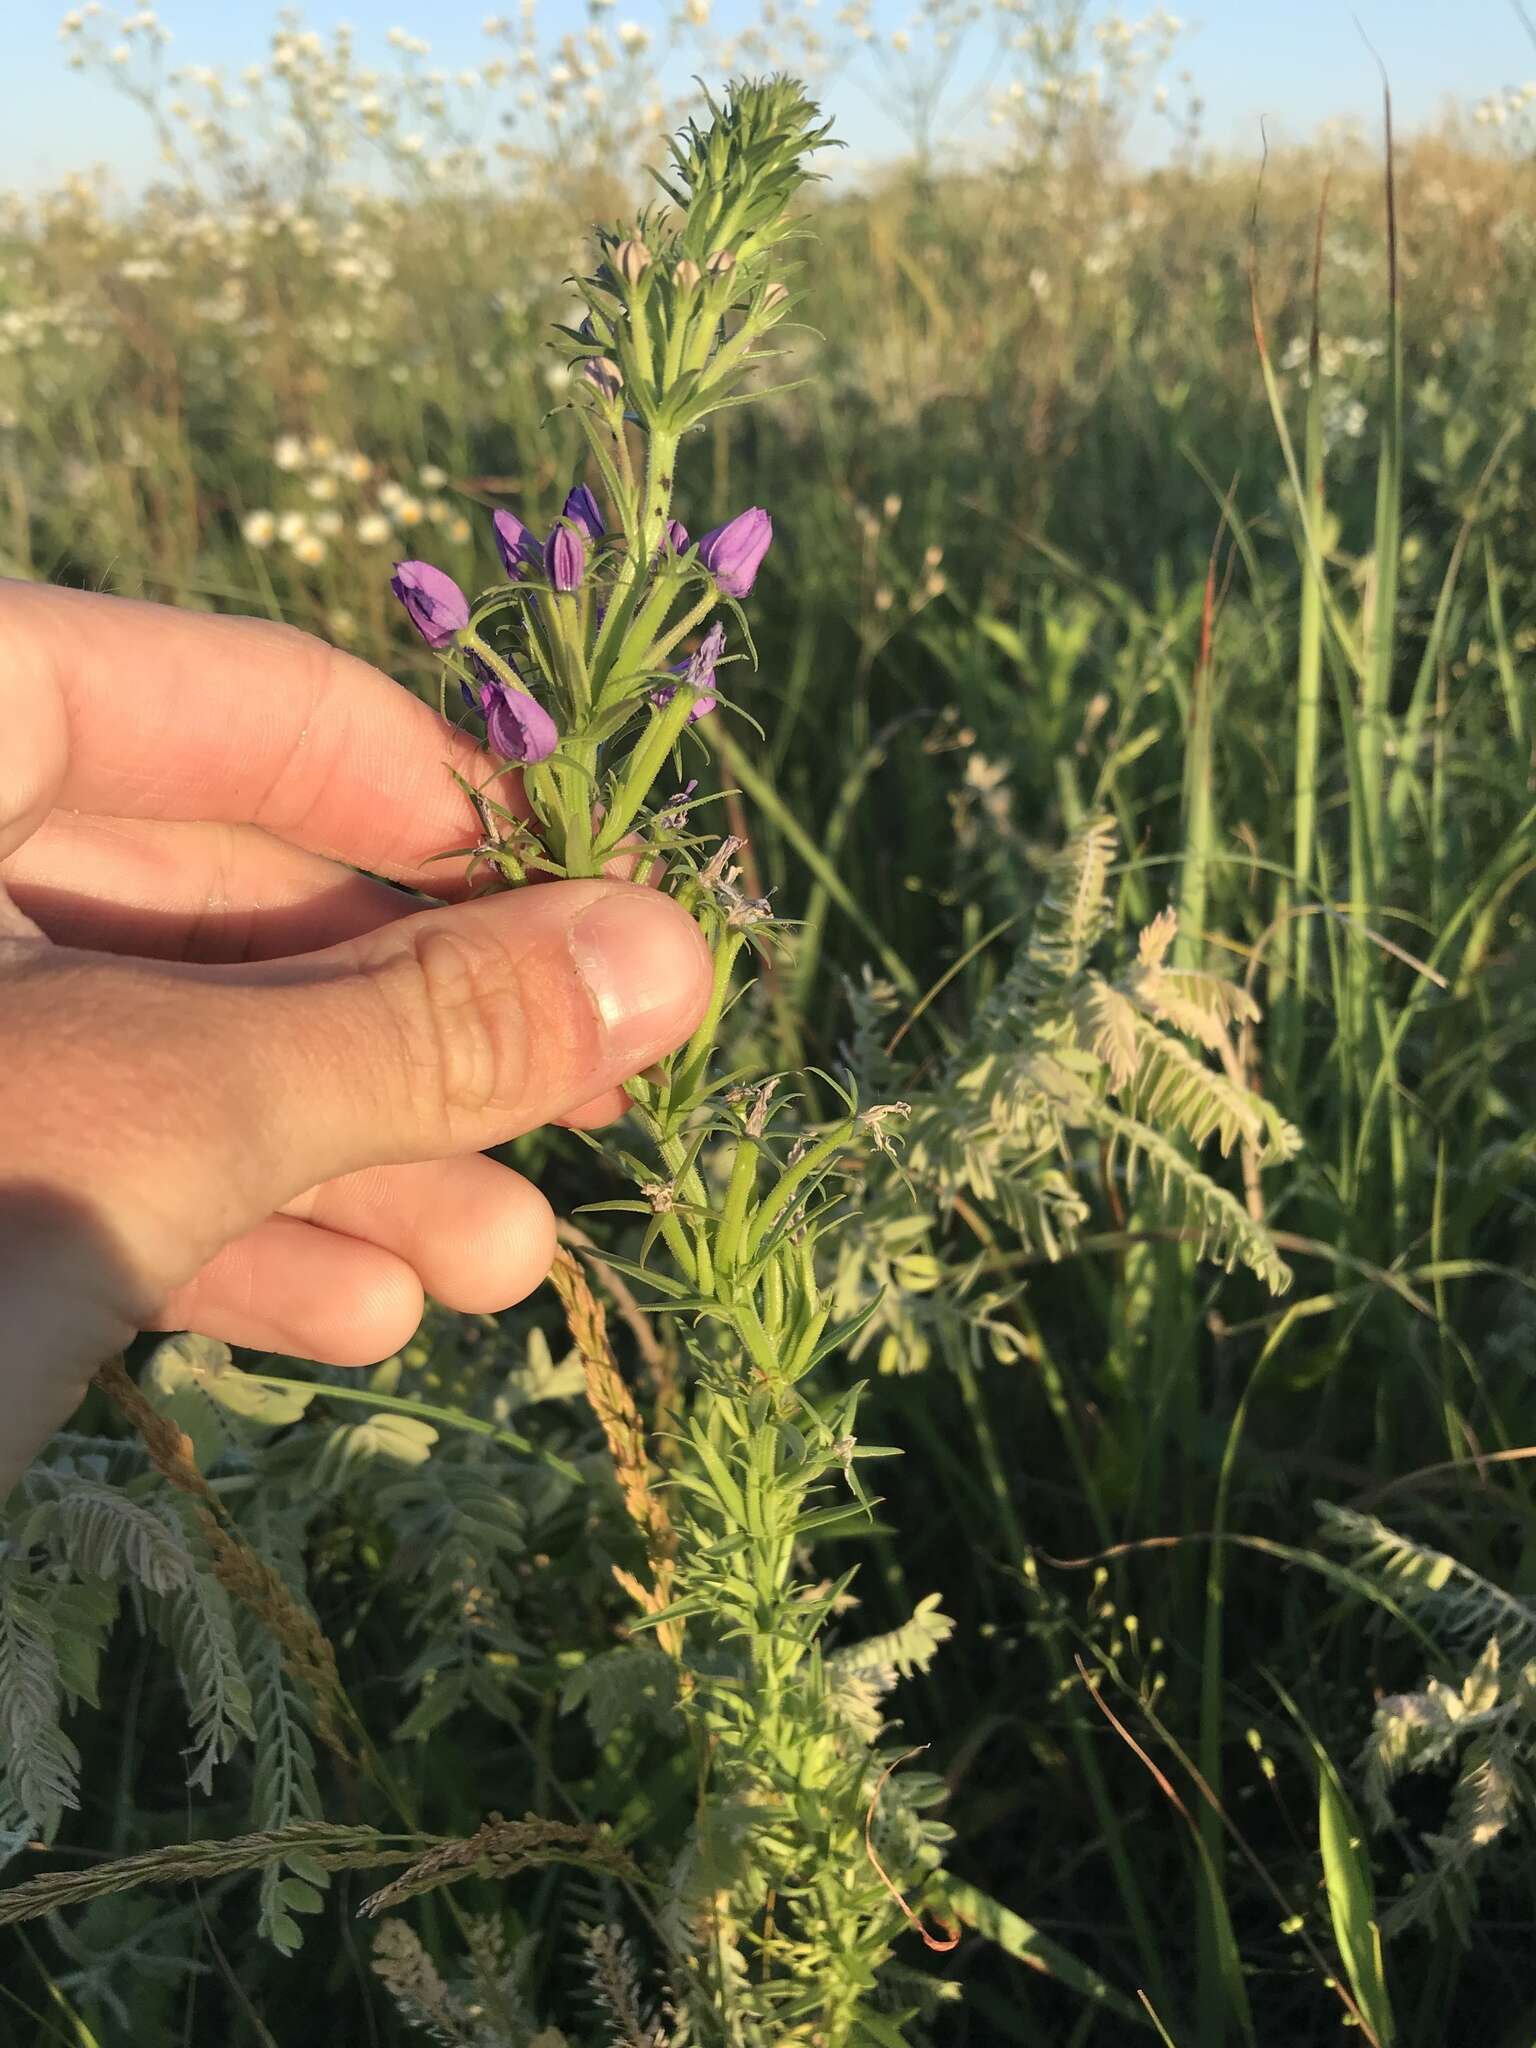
(243, 1089)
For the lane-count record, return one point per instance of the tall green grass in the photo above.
(1315, 732)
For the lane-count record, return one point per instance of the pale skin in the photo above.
(244, 1089)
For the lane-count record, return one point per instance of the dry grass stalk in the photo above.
(624, 1432)
(307, 1654)
(338, 1848)
(500, 1848)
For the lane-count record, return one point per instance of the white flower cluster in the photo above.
(352, 497)
(1333, 355)
(1504, 106)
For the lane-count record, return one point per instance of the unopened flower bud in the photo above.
(721, 262)
(686, 274)
(518, 547)
(605, 374)
(733, 553)
(631, 260)
(775, 296)
(677, 536)
(581, 508)
(438, 609)
(565, 558)
(517, 725)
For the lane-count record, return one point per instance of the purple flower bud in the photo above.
(605, 373)
(565, 557)
(733, 553)
(677, 534)
(438, 608)
(697, 674)
(517, 725)
(517, 545)
(582, 510)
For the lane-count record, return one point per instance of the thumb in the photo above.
(175, 1107)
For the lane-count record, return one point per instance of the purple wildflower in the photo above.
(697, 673)
(733, 553)
(674, 816)
(581, 509)
(565, 557)
(677, 534)
(517, 544)
(517, 725)
(438, 608)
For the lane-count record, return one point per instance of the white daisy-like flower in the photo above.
(259, 529)
(409, 511)
(374, 530)
(292, 527)
(431, 478)
(310, 549)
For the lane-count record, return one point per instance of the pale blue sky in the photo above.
(1296, 61)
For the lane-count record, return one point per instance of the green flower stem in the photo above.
(677, 1244)
(624, 644)
(685, 1179)
(566, 645)
(684, 627)
(729, 356)
(677, 341)
(656, 502)
(738, 1194)
(629, 496)
(470, 640)
(640, 337)
(773, 1295)
(760, 1349)
(642, 769)
(687, 1069)
(576, 765)
(793, 1178)
(805, 1349)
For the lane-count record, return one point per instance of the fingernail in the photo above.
(645, 964)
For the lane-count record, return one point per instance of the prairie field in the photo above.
(1145, 694)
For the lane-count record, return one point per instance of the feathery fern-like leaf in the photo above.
(1455, 1602)
(39, 1765)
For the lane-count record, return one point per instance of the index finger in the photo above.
(136, 710)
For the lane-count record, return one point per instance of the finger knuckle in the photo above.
(460, 1001)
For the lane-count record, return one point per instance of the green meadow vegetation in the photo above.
(1138, 777)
